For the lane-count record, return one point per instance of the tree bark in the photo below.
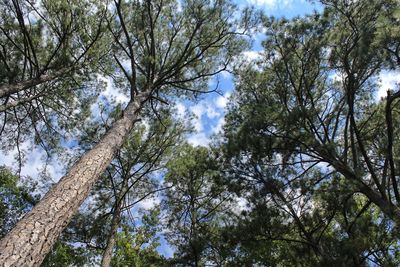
(107, 255)
(32, 238)
(8, 89)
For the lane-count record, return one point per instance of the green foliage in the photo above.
(15, 200)
(305, 174)
(301, 145)
(65, 255)
(147, 149)
(60, 44)
(136, 246)
(194, 203)
(176, 46)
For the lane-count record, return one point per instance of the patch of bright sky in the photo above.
(389, 80)
(283, 8)
(386, 80)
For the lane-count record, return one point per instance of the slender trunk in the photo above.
(8, 89)
(107, 255)
(32, 238)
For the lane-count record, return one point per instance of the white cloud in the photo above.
(198, 111)
(253, 59)
(271, 3)
(241, 205)
(388, 81)
(222, 100)
(251, 56)
(217, 128)
(180, 109)
(226, 75)
(34, 160)
(112, 93)
(199, 139)
(336, 76)
(204, 108)
(208, 119)
(149, 203)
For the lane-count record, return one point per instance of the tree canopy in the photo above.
(305, 169)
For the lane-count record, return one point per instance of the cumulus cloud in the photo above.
(208, 119)
(206, 109)
(180, 109)
(218, 127)
(112, 93)
(241, 205)
(149, 203)
(33, 159)
(252, 55)
(226, 75)
(199, 139)
(222, 100)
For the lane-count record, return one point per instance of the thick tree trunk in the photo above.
(107, 255)
(32, 238)
(8, 89)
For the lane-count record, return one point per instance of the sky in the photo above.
(208, 112)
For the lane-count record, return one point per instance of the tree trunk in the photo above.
(107, 255)
(8, 89)
(32, 238)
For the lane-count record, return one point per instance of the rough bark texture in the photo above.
(107, 255)
(8, 89)
(32, 238)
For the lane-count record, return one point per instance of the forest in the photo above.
(98, 166)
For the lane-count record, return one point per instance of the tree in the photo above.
(136, 247)
(49, 51)
(15, 200)
(194, 203)
(130, 179)
(314, 118)
(45, 38)
(145, 152)
(64, 254)
(304, 128)
(328, 225)
(201, 39)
